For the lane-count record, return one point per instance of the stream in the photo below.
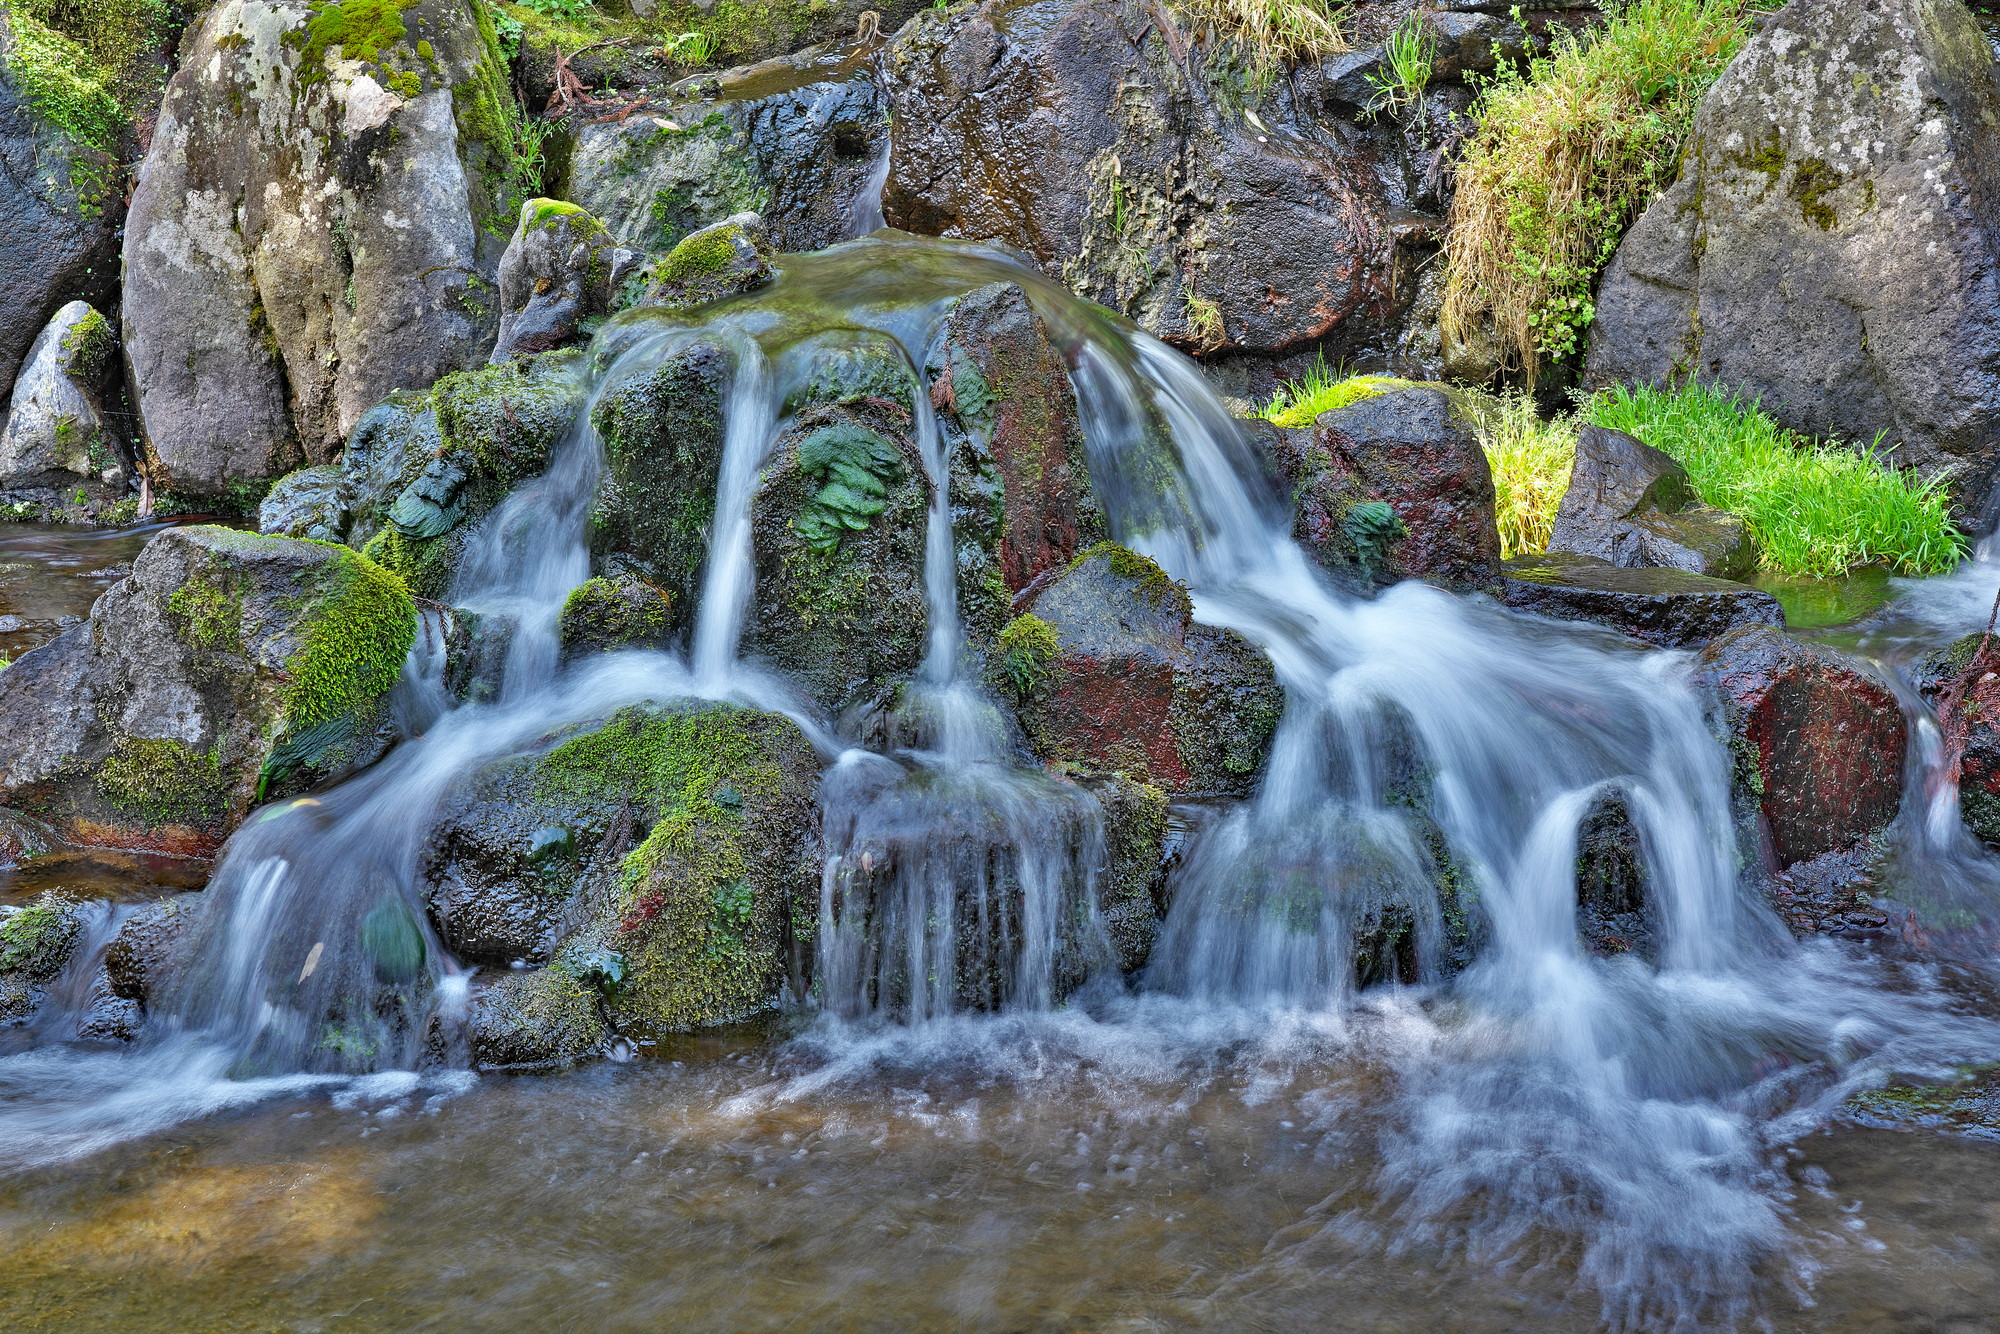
(1237, 1138)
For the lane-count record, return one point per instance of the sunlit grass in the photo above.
(1531, 460)
(1300, 402)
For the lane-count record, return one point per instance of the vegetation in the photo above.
(1023, 651)
(1268, 31)
(1815, 508)
(354, 640)
(858, 467)
(1531, 461)
(39, 938)
(1563, 157)
(1300, 402)
(1411, 51)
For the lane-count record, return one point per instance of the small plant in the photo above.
(602, 970)
(1269, 31)
(1025, 647)
(508, 29)
(569, 11)
(731, 920)
(1531, 461)
(525, 166)
(1300, 402)
(858, 468)
(1372, 525)
(690, 48)
(1204, 320)
(1411, 53)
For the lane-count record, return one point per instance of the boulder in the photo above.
(793, 139)
(1394, 486)
(318, 221)
(663, 862)
(1632, 505)
(1818, 739)
(1664, 607)
(1107, 667)
(1132, 889)
(621, 611)
(561, 271)
(60, 198)
(1829, 245)
(1968, 706)
(142, 956)
(226, 668)
(57, 432)
(23, 839)
(732, 256)
(36, 943)
(1074, 131)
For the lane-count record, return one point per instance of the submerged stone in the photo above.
(1664, 607)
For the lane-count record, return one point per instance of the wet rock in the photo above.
(475, 654)
(1825, 248)
(22, 839)
(1132, 888)
(1833, 893)
(793, 139)
(561, 269)
(1818, 739)
(1664, 607)
(56, 430)
(1967, 698)
(313, 227)
(1073, 130)
(612, 613)
(226, 668)
(61, 204)
(730, 257)
(1632, 505)
(1392, 487)
(684, 874)
(317, 502)
(839, 528)
(143, 955)
(1107, 667)
(107, 1017)
(36, 942)
(1613, 915)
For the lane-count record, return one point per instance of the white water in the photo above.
(1543, 1099)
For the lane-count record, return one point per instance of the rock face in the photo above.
(60, 207)
(1632, 505)
(1071, 129)
(793, 139)
(35, 943)
(144, 953)
(313, 227)
(1829, 247)
(612, 613)
(1969, 714)
(56, 430)
(225, 669)
(1818, 740)
(1107, 667)
(561, 269)
(666, 861)
(1392, 487)
(1665, 607)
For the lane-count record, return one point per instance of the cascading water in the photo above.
(1541, 1100)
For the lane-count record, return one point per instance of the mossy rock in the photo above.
(729, 258)
(36, 943)
(612, 613)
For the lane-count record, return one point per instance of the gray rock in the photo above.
(1667, 608)
(60, 211)
(56, 428)
(1632, 505)
(719, 261)
(318, 503)
(561, 269)
(224, 668)
(143, 955)
(1829, 245)
(308, 233)
(23, 838)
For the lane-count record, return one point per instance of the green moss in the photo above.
(510, 415)
(39, 939)
(1022, 654)
(166, 780)
(702, 254)
(604, 614)
(68, 88)
(87, 348)
(1965, 1101)
(425, 565)
(363, 30)
(1299, 403)
(547, 211)
(210, 605)
(359, 625)
(1155, 584)
(1813, 180)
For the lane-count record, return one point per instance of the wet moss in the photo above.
(1968, 1100)
(210, 605)
(602, 614)
(1022, 653)
(704, 253)
(358, 627)
(509, 416)
(545, 1017)
(165, 780)
(1153, 583)
(39, 939)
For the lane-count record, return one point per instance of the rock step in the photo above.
(1666, 608)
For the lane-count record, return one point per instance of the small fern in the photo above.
(857, 468)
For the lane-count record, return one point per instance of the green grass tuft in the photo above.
(1300, 402)
(1531, 461)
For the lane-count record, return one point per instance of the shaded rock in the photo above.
(561, 269)
(1818, 739)
(1131, 891)
(792, 139)
(611, 613)
(1392, 487)
(107, 1017)
(56, 430)
(314, 225)
(1107, 667)
(1829, 245)
(668, 859)
(1973, 716)
(22, 839)
(224, 669)
(143, 955)
(720, 261)
(317, 502)
(36, 942)
(1632, 505)
(1664, 607)
(1613, 914)
(475, 654)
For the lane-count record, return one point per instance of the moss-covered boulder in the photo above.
(730, 257)
(57, 432)
(668, 860)
(1107, 666)
(318, 221)
(558, 277)
(35, 943)
(839, 529)
(225, 669)
(611, 613)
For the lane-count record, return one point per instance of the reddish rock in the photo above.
(1109, 670)
(1819, 740)
(1413, 450)
(1966, 695)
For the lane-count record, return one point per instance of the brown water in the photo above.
(50, 574)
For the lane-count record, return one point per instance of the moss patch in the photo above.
(167, 781)
(361, 29)
(358, 631)
(1022, 653)
(39, 939)
(210, 605)
(1154, 583)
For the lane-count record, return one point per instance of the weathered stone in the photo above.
(225, 668)
(36, 942)
(621, 611)
(1613, 915)
(314, 226)
(1392, 487)
(1108, 668)
(23, 839)
(146, 950)
(1132, 889)
(1632, 505)
(561, 269)
(317, 502)
(1974, 717)
(56, 429)
(1829, 246)
(1818, 739)
(720, 261)
(793, 139)
(1664, 607)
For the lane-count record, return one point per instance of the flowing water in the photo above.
(1238, 1138)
